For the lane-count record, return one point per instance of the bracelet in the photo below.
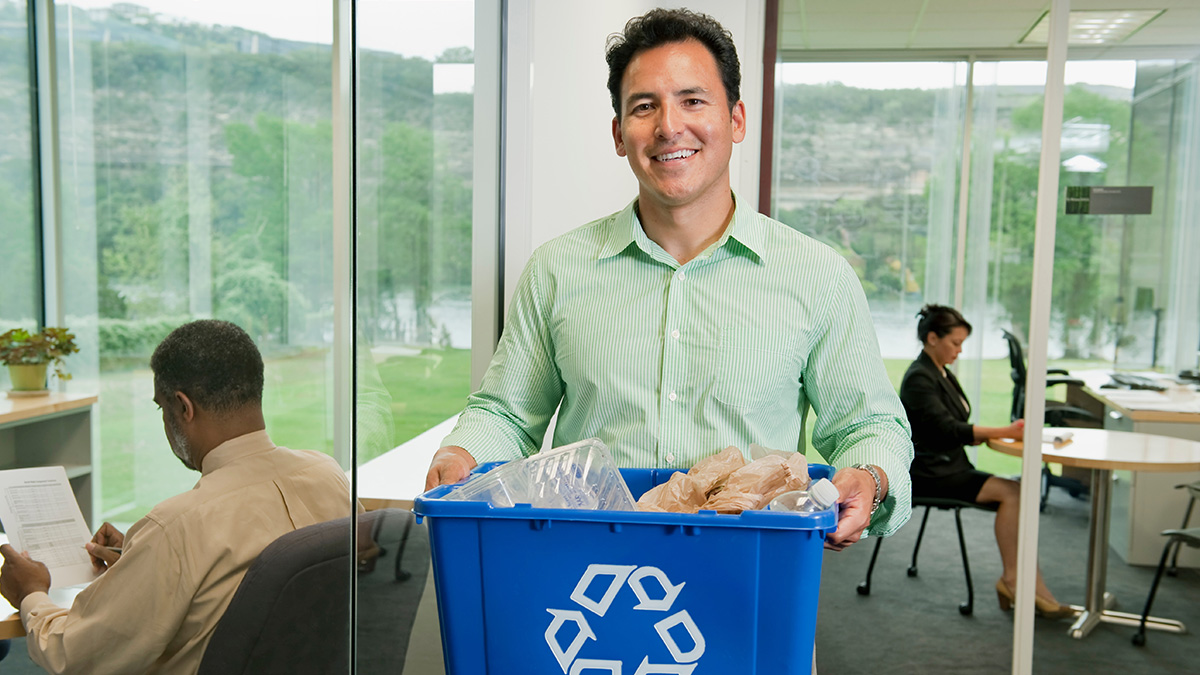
(878, 485)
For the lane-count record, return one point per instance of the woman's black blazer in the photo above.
(940, 430)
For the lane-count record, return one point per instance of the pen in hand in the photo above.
(114, 549)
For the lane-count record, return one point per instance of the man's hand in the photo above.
(107, 535)
(856, 488)
(450, 465)
(20, 575)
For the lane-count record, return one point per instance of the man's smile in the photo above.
(673, 156)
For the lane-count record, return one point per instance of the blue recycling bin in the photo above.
(529, 591)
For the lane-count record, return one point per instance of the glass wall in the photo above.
(21, 292)
(196, 161)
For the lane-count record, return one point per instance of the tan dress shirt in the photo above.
(155, 609)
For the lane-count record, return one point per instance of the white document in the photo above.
(40, 515)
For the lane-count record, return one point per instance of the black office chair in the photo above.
(291, 612)
(1058, 414)
(965, 608)
(1175, 539)
(1193, 494)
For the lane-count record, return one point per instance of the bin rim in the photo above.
(432, 505)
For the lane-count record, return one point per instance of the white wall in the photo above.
(561, 168)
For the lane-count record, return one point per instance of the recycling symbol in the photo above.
(620, 575)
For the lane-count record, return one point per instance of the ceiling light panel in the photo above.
(1094, 27)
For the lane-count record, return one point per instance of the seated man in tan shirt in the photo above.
(155, 605)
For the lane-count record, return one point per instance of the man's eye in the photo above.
(641, 107)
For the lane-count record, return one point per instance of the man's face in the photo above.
(676, 127)
(172, 428)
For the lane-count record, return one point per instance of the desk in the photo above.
(1104, 451)
(51, 430)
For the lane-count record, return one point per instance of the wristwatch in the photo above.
(878, 485)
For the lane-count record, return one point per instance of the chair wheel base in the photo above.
(863, 588)
(912, 571)
(966, 609)
(1139, 639)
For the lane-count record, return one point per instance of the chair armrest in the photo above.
(1057, 371)
(1051, 381)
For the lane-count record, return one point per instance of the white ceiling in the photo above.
(969, 26)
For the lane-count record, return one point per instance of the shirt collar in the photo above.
(625, 229)
(236, 448)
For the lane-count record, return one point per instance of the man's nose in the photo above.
(669, 123)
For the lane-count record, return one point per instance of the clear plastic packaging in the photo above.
(581, 475)
(819, 496)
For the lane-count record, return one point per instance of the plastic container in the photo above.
(820, 495)
(581, 475)
(525, 590)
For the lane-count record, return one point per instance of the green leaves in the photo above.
(20, 347)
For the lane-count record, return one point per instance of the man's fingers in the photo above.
(8, 551)
(102, 553)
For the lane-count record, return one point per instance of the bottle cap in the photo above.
(824, 493)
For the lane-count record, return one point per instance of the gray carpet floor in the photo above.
(912, 625)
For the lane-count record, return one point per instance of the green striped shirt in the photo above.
(669, 363)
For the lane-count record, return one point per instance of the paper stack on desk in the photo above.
(1056, 437)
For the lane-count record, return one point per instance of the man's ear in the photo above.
(185, 406)
(738, 120)
(618, 141)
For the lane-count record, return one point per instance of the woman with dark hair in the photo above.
(938, 411)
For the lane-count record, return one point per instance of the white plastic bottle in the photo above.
(820, 495)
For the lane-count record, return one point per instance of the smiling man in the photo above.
(688, 322)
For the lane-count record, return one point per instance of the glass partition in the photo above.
(21, 292)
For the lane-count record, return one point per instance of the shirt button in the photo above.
(672, 396)
(682, 276)
(675, 334)
(670, 458)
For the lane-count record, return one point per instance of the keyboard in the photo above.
(1130, 381)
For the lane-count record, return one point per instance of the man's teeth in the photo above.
(678, 154)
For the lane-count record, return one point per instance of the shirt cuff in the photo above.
(485, 444)
(33, 602)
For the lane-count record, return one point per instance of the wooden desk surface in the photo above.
(1114, 450)
(25, 408)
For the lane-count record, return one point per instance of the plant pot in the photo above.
(27, 377)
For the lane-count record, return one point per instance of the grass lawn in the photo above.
(138, 470)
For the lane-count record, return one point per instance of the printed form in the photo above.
(40, 516)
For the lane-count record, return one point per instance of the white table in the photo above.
(1104, 451)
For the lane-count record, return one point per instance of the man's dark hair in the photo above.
(214, 362)
(664, 26)
(939, 320)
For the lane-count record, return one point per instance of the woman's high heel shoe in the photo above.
(1042, 607)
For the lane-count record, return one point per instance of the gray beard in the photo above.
(179, 445)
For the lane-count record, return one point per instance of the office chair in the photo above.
(1175, 540)
(1193, 494)
(965, 608)
(1057, 414)
(291, 612)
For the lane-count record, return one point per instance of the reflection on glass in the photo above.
(196, 171)
(20, 292)
(414, 129)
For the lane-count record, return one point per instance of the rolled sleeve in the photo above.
(859, 417)
(507, 418)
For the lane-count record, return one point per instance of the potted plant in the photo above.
(28, 355)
